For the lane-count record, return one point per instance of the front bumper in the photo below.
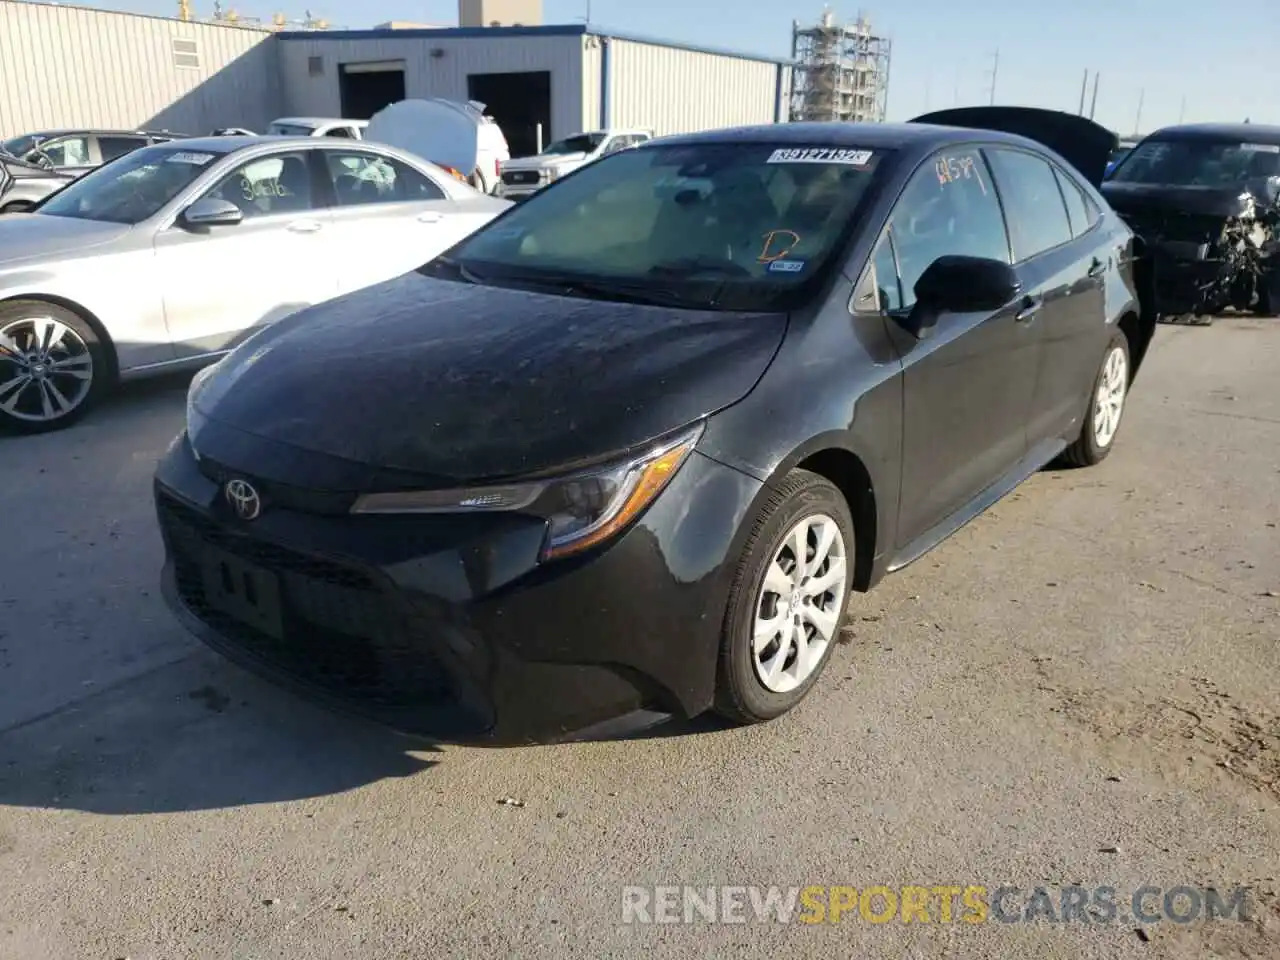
(1186, 283)
(448, 627)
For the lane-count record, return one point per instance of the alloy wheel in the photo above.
(798, 608)
(1109, 401)
(46, 369)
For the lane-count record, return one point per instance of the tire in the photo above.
(743, 694)
(18, 206)
(1098, 433)
(45, 387)
(1269, 295)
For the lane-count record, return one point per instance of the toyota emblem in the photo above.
(243, 499)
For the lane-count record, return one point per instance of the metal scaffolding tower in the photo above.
(842, 71)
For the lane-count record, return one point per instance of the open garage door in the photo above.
(1087, 146)
(365, 88)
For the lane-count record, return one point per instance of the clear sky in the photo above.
(1201, 61)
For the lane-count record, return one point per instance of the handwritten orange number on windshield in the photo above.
(777, 244)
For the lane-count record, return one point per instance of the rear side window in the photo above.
(112, 147)
(361, 178)
(1033, 202)
(1082, 213)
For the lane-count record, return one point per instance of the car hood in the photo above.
(33, 236)
(544, 162)
(21, 170)
(1085, 145)
(457, 383)
(1143, 198)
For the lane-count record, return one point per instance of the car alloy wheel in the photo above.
(799, 604)
(46, 369)
(1109, 398)
(787, 599)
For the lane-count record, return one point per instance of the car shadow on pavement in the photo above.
(195, 733)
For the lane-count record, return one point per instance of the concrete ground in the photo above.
(1082, 687)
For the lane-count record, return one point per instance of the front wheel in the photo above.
(1110, 390)
(787, 601)
(53, 366)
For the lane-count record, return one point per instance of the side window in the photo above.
(880, 291)
(1082, 213)
(67, 151)
(948, 207)
(360, 178)
(1032, 201)
(112, 147)
(280, 183)
(342, 133)
(613, 146)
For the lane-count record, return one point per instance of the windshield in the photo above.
(131, 188)
(578, 143)
(713, 225)
(1198, 163)
(290, 130)
(21, 146)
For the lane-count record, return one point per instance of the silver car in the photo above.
(23, 185)
(168, 257)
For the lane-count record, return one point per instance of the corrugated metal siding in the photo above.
(591, 61)
(435, 76)
(677, 91)
(72, 67)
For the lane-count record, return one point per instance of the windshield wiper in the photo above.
(687, 267)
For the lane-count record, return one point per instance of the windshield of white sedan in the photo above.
(290, 130)
(20, 146)
(132, 188)
(724, 225)
(1198, 163)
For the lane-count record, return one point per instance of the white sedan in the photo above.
(171, 255)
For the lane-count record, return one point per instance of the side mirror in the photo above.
(959, 284)
(40, 159)
(211, 212)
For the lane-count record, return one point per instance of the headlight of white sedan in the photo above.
(582, 509)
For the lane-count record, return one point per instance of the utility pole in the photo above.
(1182, 110)
(1093, 105)
(1084, 88)
(928, 89)
(955, 90)
(1137, 121)
(995, 69)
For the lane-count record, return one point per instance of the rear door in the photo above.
(967, 387)
(222, 282)
(388, 217)
(1061, 283)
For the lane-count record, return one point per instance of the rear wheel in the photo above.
(1269, 294)
(787, 601)
(1110, 390)
(53, 366)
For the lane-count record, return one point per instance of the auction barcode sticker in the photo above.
(855, 158)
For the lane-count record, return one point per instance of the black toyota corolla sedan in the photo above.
(632, 446)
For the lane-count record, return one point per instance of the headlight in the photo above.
(194, 417)
(581, 509)
(549, 173)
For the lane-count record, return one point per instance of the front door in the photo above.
(223, 282)
(967, 387)
(388, 218)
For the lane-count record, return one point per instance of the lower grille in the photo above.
(520, 177)
(328, 624)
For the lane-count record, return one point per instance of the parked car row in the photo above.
(627, 446)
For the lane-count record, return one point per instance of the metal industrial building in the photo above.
(66, 66)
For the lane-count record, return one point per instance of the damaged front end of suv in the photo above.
(1207, 212)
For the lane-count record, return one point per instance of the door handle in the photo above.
(429, 218)
(305, 226)
(1097, 268)
(1030, 307)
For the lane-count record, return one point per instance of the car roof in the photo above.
(884, 136)
(1236, 132)
(100, 131)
